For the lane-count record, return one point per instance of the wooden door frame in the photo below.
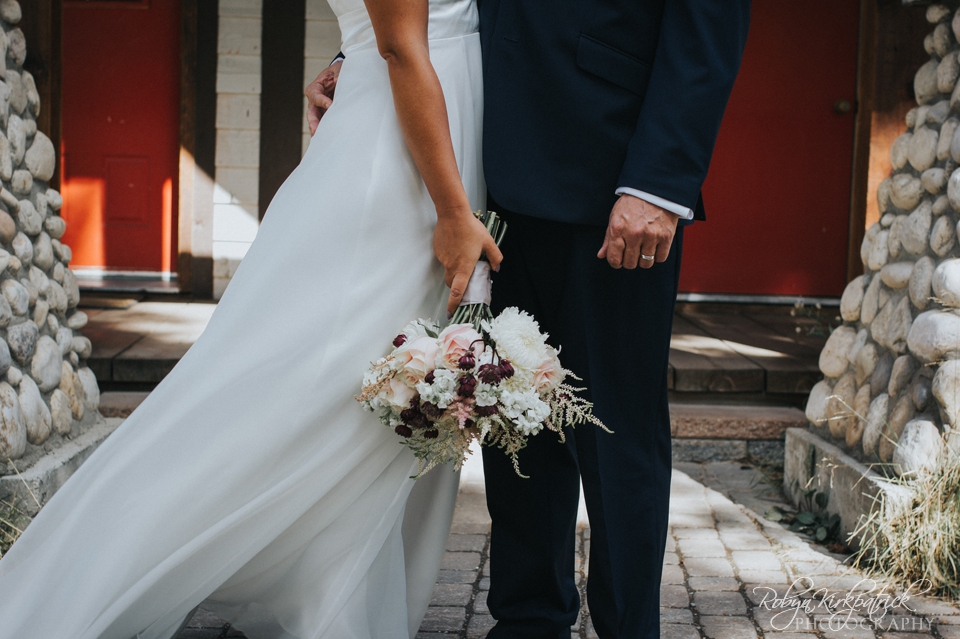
(866, 88)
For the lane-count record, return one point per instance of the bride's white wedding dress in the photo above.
(250, 479)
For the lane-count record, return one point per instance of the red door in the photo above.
(778, 192)
(121, 118)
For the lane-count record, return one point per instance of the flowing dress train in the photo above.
(250, 480)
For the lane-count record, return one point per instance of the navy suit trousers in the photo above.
(614, 329)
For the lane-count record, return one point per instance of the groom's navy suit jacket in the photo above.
(584, 96)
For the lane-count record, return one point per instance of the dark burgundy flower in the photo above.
(399, 340)
(467, 361)
(403, 430)
(432, 434)
(408, 415)
(490, 374)
(429, 377)
(468, 384)
(431, 410)
(487, 411)
(506, 369)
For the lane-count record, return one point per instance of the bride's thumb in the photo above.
(494, 255)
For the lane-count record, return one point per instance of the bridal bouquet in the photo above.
(493, 379)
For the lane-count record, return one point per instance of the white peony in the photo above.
(518, 339)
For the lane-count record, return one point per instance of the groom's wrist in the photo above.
(672, 207)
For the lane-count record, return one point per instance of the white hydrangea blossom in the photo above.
(527, 409)
(486, 394)
(442, 391)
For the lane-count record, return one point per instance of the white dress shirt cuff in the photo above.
(681, 211)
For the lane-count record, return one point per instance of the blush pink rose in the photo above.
(416, 358)
(454, 342)
(550, 373)
(399, 393)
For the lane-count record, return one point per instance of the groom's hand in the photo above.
(637, 228)
(320, 94)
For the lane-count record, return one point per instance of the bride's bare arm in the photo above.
(401, 30)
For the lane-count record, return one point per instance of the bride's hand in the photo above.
(458, 241)
(320, 94)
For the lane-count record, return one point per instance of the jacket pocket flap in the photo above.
(612, 65)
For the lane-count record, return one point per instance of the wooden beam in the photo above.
(41, 24)
(281, 96)
(866, 90)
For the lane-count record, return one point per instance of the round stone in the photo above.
(934, 180)
(33, 96)
(840, 407)
(14, 376)
(896, 275)
(39, 280)
(921, 279)
(22, 340)
(8, 228)
(73, 389)
(71, 288)
(54, 199)
(934, 335)
(937, 13)
(45, 365)
(922, 150)
(942, 237)
(17, 136)
(947, 132)
(867, 360)
(947, 72)
(892, 324)
(60, 412)
(852, 299)
(91, 391)
(879, 251)
(883, 195)
(81, 346)
(937, 114)
(10, 11)
(816, 410)
(55, 226)
(946, 283)
(64, 338)
(31, 222)
(880, 378)
(833, 357)
(941, 204)
(906, 191)
(77, 321)
(41, 157)
(915, 229)
(36, 415)
(919, 448)
(862, 336)
(900, 150)
(920, 392)
(871, 301)
(946, 390)
(17, 296)
(13, 432)
(57, 298)
(902, 412)
(40, 310)
(893, 238)
(43, 251)
(21, 182)
(876, 421)
(925, 83)
(861, 406)
(23, 248)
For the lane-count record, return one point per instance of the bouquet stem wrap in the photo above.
(475, 305)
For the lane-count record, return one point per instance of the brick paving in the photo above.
(723, 566)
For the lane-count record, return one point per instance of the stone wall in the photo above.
(891, 391)
(45, 387)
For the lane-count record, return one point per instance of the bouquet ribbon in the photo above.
(479, 288)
